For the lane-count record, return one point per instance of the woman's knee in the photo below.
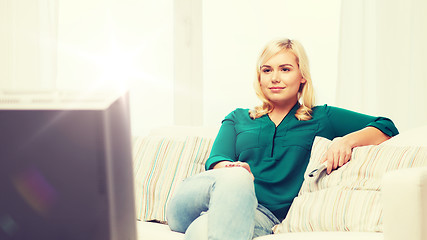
(235, 187)
(194, 196)
(237, 177)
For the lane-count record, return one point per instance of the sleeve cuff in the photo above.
(385, 126)
(213, 160)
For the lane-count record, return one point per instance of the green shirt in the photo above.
(278, 156)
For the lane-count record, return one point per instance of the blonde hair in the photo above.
(306, 92)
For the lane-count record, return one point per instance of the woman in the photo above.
(257, 163)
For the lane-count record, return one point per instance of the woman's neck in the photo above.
(280, 112)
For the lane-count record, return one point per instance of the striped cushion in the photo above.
(159, 164)
(349, 198)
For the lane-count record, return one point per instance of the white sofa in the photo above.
(403, 201)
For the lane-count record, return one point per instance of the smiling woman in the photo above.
(281, 79)
(283, 64)
(259, 157)
(228, 61)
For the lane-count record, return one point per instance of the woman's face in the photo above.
(280, 79)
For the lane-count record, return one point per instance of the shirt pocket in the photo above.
(247, 138)
(301, 135)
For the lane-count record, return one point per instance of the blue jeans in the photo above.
(219, 204)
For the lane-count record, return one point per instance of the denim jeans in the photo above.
(219, 205)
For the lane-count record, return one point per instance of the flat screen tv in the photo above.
(66, 166)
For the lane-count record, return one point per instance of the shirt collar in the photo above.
(290, 114)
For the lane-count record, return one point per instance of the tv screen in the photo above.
(66, 166)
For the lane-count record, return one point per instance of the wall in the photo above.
(132, 43)
(27, 44)
(120, 43)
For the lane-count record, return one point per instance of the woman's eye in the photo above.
(285, 69)
(266, 70)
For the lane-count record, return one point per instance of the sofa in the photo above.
(381, 194)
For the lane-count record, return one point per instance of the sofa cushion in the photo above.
(324, 236)
(160, 163)
(348, 199)
(156, 231)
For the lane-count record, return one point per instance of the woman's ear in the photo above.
(303, 80)
(301, 86)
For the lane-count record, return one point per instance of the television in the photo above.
(66, 166)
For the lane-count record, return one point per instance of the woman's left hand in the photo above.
(338, 154)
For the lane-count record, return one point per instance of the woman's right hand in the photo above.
(227, 164)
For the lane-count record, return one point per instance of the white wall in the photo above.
(234, 32)
(130, 43)
(27, 44)
(120, 43)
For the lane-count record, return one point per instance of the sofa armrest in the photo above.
(405, 204)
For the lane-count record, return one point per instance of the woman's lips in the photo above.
(276, 89)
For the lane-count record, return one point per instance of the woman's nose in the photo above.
(275, 77)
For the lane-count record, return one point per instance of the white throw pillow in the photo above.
(160, 163)
(349, 198)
